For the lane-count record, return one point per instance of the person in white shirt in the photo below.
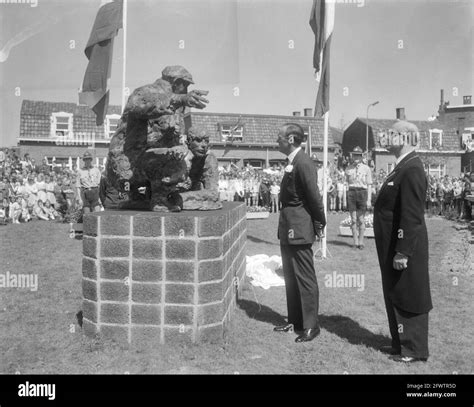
(359, 181)
(274, 195)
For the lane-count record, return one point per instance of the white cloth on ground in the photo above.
(261, 269)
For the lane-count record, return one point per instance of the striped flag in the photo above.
(98, 50)
(322, 24)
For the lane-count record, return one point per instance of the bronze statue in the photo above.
(200, 191)
(147, 152)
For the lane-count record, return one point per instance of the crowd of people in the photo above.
(446, 195)
(29, 191)
(49, 192)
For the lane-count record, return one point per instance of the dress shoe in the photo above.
(407, 359)
(308, 335)
(284, 328)
(389, 350)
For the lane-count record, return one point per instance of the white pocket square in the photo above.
(390, 184)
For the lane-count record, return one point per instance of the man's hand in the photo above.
(400, 261)
(318, 230)
(195, 99)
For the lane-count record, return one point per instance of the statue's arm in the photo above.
(191, 99)
(148, 102)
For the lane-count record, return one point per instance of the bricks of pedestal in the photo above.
(149, 278)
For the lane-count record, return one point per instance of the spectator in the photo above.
(31, 190)
(50, 196)
(274, 196)
(39, 211)
(264, 192)
(41, 185)
(16, 209)
(87, 184)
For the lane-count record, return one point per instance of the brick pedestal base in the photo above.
(151, 278)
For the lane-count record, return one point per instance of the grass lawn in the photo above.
(39, 333)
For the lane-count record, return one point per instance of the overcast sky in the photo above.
(400, 53)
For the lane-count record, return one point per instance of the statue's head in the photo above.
(198, 141)
(178, 77)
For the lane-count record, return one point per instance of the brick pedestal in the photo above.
(151, 278)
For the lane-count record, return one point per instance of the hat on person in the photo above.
(87, 155)
(357, 151)
(173, 72)
(315, 158)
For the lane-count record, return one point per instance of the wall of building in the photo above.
(451, 161)
(257, 153)
(450, 117)
(38, 151)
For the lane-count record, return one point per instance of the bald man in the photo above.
(402, 246)
(301, 219)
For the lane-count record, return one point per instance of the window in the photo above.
(437, 170)
(254, 163)
(111, 124)
(277, 163)
(230, 132)
(436, 138)
(390, 167)
(467, 140)
(61, 125)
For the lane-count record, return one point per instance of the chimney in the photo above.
(401, 113)
(308, 112)
(466, 100)
(442, 98)
(296, 113)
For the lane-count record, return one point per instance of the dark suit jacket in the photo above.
(399, 226)
(301, 202)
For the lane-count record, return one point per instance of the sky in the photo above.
(253, 56)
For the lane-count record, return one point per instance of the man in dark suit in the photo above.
(402, 247)
(301, 218)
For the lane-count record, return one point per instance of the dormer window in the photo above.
(436, 138)
(61, 124)
(230, 132)
(111, 124)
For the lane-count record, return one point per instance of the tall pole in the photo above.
(325, 184)
(309, 145)
(367, 131)
(124, 59)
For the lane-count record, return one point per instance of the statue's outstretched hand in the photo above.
(178, 152)
(195, 99)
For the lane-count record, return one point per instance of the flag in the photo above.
(98, 50)
(322, 23)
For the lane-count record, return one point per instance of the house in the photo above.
(251, 138)
(439, 148)
(64, 131)
(460, 117)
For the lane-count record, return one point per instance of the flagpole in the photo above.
(124, 59)
(325, 175)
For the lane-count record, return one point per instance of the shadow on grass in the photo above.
(261, 312)
(339, 243)
(344, 327)
(347, 328)
(258, 240)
